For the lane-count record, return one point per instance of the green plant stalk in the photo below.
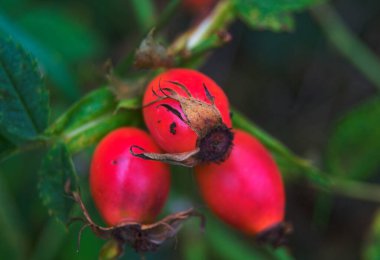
(144, 12)
(166, 14)
(357, 190)
(326, 182)
(218, 20)
(280, 151)
(344, 40)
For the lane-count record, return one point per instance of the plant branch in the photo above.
(349, 45)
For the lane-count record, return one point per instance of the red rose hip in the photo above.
(187, 114)
(245, 191)
(125, 187)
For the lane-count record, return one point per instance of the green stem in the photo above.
(284, 156)
(144, 12)
(167, 14)
(344, 40)
(357, 190)
(205, 33)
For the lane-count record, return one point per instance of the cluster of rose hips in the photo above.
(188, 117)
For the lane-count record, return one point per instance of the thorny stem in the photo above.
(344, 40)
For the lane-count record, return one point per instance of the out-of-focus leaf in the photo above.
(71, 40)
(275, 22)
(288, 162)
(12, 6)
(87, 121)
(227, 245)
(11, 224)
(52, 63)
(372, 250)
(56, 169)
(23, 96)
(49, 241)
(354, 146)
(271, 14)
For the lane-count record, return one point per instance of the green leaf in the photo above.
(56, 169)
(23, 96)
(72, 40)
(90, 107)
(353, 148)
(93, 131)
(54, 65)
(91, 118)
(271, 14)
(275, 22)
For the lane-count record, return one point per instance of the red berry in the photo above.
(186, 110)
(245, 191)
(125, 187)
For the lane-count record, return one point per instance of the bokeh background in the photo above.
(295, 85)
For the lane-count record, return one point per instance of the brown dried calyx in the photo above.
(214, 142)
(275, 235)
(151, 54)
(141, 237)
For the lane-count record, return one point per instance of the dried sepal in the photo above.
(141, 237)
(124, 90)
(151, 54)
(187, 159)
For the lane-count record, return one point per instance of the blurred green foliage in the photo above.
(64, 39)
(354, 146)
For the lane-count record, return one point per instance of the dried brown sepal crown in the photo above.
(275, 235)
(151, 54)
(214, 142)
(121, 88)
(141, 237)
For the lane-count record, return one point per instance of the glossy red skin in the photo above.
(125, 187)
(245, 191)
(158, 119)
